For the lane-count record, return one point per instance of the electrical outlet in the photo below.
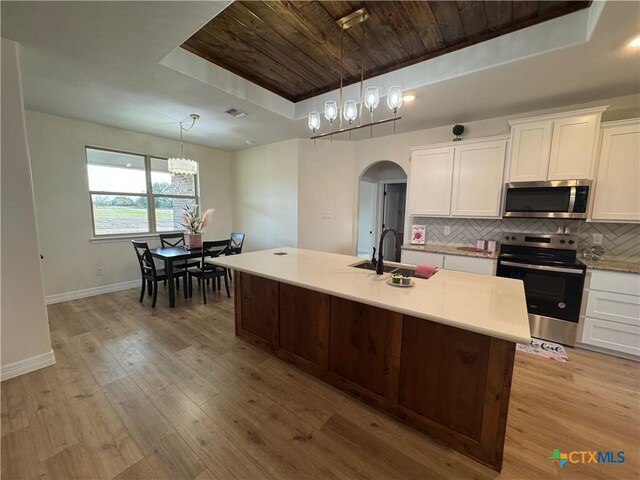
(597, 238)
(447, 230)
(99, 271)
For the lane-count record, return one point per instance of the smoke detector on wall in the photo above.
(234, 112)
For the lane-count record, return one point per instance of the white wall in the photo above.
(265, 186)
(327, 188)
(57, 147)
(24, 322)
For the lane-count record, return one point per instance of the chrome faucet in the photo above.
(379, 263)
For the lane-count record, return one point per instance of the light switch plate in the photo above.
(597, 238)
(447, 230)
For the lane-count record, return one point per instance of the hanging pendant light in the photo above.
(314, 121)
(394, 98)
(181, 165)
(350, 111)
(369, 98)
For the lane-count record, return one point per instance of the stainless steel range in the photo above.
(553, 281)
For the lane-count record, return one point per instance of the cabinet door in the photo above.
(430, 181)
(257, 309)
(361, 345)
(572, 147)
(477, 179)
(618, 180)
(414, 257)
(484, 266)
(530, 146)
(304, 323)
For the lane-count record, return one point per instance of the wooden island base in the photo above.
(450, 383)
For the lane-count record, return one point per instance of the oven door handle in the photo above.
(545, 268)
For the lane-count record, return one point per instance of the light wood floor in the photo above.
(142, 394)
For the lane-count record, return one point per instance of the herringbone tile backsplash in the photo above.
(620, 239)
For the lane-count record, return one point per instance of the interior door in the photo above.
(393, 208)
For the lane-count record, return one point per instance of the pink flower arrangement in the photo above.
(192, 220)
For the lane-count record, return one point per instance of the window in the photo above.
(133, 194)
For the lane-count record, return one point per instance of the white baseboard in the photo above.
(90, 292)
(27, 365)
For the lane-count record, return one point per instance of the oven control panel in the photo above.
(541, 240)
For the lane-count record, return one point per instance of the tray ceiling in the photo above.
(292, 48)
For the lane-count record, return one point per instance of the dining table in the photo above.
(170, 255)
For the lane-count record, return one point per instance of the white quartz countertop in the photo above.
(484, 304)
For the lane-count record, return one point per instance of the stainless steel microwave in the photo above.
(555, 199)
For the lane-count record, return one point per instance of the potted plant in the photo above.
(194, 224)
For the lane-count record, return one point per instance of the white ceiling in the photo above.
(116, 63)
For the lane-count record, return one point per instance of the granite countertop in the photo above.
(449, 250)
(492, 306)
(613, 264)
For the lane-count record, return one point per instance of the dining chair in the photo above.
(235, 248)
(150, 274)
(168, 240)
(209, 271)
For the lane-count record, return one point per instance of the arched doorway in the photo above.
(382, 193)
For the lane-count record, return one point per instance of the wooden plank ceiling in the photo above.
(292, 48)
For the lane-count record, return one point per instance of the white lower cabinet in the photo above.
(612, 315)
(484, 266)
(414, 257)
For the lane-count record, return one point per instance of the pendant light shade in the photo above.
(314, 121)
(371, 98)
(182, 166)
(331, 110)
(350, 111)
(394, 98)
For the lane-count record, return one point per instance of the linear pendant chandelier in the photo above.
(182, 165)
(369, 98)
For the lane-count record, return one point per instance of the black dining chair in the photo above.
(235, 248)
(209, 271)
(150, 274)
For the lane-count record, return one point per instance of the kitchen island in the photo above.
(437, 356)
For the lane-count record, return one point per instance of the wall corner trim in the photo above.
(27, 365)
(90, 292)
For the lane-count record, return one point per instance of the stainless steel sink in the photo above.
(391, 267)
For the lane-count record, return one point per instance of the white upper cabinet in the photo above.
(530, 147)
(554, 147)
(477, 179)
(430, 181)
(464, 180)
(617, 186)
(573, 147)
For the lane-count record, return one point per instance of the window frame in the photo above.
(151, 206)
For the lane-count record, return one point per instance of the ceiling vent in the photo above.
(234, 112)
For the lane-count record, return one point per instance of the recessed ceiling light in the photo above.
(409, 97)
(251, 142)
(128, 165)
(635, 42)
